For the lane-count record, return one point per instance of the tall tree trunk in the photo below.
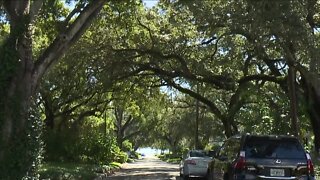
(227, 127)
(197, 145)
(16, 89)
(19, 76)
(310, 84)
(311, 88)
(49, 121)
(293, 101)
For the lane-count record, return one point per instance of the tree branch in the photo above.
(132, 134)
(77, 9)
(15, 9)
(197, 96)
(35, 8)
(262, 77)
(65, 39)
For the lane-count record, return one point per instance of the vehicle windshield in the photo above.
(274, 148)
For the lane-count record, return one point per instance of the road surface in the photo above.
(148, 168)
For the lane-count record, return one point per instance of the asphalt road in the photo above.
(148, 168)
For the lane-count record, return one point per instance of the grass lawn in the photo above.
(74, 171)
(54, 170)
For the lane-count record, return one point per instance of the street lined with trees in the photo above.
(93, 81)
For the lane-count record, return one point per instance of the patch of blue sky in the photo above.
(169, 91)
(70, 5)
(150, 3)
(148, 151)
(3, 18)
(172, 92)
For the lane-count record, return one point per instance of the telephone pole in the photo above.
(293, 100)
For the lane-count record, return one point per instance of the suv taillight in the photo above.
(310, 165)
(241, 162)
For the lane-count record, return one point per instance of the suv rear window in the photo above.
(262, 147)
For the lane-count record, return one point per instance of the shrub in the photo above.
(121, 157)
(135, 155)
(130, 160)
(88, 147)
(127, 146)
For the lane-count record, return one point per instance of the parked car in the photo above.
(194, 163)
(249, 157)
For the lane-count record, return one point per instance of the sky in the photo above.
(150, 3)
(147, 151)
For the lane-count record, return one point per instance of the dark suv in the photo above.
(248, 157)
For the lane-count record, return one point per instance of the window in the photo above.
(274, 148)
(197, 154)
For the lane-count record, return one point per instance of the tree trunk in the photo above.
(227, 128)
(49, 121)
(311, 88)
(310, 83)
(16, 89)
(196, 140)
(19, 76)
(293, 101)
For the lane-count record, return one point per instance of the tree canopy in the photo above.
(176, 75)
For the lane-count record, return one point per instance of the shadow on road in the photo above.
(147, 169)
(191, 178)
